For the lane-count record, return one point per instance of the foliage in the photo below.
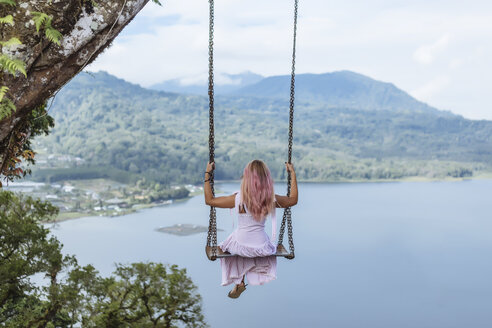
(9, 19)
(160, 193)
(27, 249)
(163, 136)
(82, 173)
(148, 295)
(11, 42)
(7, 2)
(18, 145)
(7, 107)
(136, 295)
(3, 91)
(42, 20)
(10, 65)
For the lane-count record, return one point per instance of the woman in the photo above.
(253, 203)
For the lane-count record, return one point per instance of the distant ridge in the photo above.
(343, 89)
(224, 83)
(88, 80)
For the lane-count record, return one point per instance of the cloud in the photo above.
(146, 25)
(194, 80)
(427, 91)
(202, 79)
(432, 48)
(427, 53)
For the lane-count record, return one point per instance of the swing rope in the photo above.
(212, 251)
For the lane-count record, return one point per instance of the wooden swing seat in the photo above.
(281, 251)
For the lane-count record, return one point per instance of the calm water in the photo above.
(367, 255)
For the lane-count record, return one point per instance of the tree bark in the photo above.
(87, 30)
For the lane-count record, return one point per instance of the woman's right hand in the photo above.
(210, 167)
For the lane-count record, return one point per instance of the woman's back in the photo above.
(250, 238)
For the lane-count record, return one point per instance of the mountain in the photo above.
(342, 89)
(224, 83)
(116, 126)
(104, 80)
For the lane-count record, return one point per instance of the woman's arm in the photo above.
(221, 202)
(288, 201)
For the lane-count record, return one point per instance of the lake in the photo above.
(367, 255)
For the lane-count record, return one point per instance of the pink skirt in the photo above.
(256, 263)
(258, 270)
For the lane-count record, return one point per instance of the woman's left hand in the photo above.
(290, 168)
(210, 167)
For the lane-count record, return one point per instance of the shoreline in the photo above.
(76, 215)
(484, 176)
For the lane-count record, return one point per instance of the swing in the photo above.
(211, 249)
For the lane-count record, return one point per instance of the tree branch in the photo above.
(86, 33)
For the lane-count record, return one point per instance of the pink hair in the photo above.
(257, 192)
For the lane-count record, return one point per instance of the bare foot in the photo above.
(237, 290)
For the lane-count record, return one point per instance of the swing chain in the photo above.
(212, 226)
(287, 217)
(292, 89)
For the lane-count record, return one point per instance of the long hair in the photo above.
(257, 192)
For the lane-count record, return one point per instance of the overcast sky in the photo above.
(438, 51)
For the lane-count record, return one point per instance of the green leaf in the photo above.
(7, 20)
(12, 65)
(8, 2)
(40, 19)
(3, 92)
(11, 42)
(53, 35)
(7, 107)
(158, 2)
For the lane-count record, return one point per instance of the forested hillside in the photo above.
(132, 132)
